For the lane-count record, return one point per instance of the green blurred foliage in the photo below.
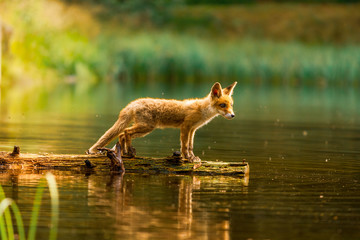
(225, 2)
(141, 4)
(74, 49)
(157, 11)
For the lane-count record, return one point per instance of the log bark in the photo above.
(168, 165)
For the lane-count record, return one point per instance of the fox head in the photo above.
(221, 99)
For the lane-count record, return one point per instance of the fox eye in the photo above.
(222, 105)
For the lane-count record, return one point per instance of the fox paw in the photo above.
(87, 152)
(194, 159)
(131, 152)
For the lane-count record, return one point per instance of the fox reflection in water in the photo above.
(142, 205)
(131, 206)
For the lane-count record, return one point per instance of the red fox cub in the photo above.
(150, 113)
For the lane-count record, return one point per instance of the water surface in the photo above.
(303, 147)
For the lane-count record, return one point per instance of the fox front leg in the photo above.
(191, 147)
(184, 139)
(186, 136)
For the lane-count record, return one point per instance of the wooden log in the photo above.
(167, 165)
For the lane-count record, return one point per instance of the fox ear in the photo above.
(216, 90)
(229, 89)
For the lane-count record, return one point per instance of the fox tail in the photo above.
(123, 121)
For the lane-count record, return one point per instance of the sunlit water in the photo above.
(303, 147)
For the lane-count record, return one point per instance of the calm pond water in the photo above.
(303, 147)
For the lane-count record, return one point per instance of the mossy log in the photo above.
(173, 164)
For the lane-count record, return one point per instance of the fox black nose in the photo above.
(232, 115)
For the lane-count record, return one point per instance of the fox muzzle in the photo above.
(229, 115)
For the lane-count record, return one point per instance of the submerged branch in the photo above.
(115, 157)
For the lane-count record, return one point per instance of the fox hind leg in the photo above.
(122, 144)
(132, 132)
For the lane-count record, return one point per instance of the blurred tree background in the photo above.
(52, 46)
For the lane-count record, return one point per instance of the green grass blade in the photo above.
(54, 194)
(3, 233)
(35, 210)
(2, 228)
(8, 221)
(19, 221)
(4, 225)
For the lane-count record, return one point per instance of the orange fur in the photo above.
(150, 113)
